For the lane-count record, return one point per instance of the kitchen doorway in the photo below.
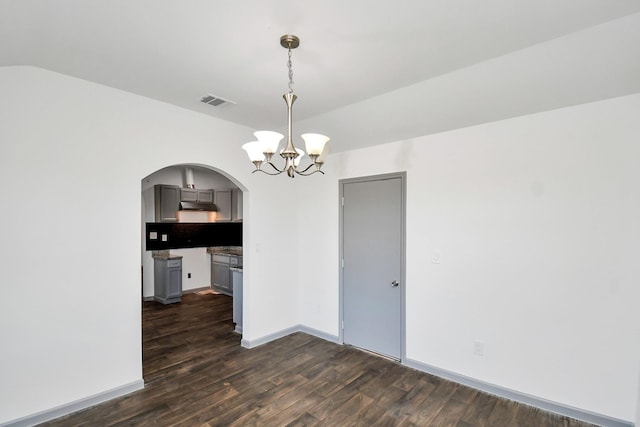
(196, 261)
(196, 265)
(372, 252)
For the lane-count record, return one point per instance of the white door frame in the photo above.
(403, 181)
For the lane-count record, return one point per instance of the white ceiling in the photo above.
(366, 72)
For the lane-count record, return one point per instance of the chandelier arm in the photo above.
(310, 173)
(276, 168)
(265, 172)
(305, 169)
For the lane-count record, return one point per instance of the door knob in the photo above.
(395, 283)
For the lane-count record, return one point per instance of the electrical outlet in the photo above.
(435, 259)
(188, 275)
(478, 348)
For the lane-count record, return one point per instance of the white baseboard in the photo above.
(546, 405)
(288, 331)
(516, 396)
(194, 290)
(268, 338)
(320, 334)
(68, 408)
(579, 414)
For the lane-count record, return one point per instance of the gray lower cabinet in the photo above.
(237, 298)
(167, 280)
(221, 275)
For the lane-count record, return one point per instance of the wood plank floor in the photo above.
(197, 374)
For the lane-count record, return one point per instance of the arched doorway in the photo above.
(196, 261)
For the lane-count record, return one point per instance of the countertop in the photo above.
(225, 250)
(164, 255)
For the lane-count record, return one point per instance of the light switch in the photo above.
(435, 259)
(153, 235)
(165, 237)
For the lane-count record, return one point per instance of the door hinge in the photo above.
(342, 262)
(343, 201)
(343, 324)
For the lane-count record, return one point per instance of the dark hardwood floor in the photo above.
(197, 374)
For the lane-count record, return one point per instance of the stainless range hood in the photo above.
(195, 205)
(197, 212)
(195, 200)
(198, 206)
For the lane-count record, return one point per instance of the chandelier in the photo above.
(262, 150)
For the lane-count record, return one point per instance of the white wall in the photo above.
(195, 261)
(536, 223)
(535, 219)
(318, 240)
(73, 157)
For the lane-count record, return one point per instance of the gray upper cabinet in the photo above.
(223, 203)
(188, 195)
(205, 196)
(167, 202)
(194, 195)
(236, 205)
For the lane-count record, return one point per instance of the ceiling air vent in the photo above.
(216, 101)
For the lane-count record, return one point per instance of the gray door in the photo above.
(373, 257)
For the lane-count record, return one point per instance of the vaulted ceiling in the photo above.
(366, 72)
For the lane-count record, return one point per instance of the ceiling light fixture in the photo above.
(266, 146)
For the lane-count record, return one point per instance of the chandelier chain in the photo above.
(290, 72)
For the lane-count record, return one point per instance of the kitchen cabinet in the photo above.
(188, 195)
(222, 199)
(236, 205)
(196, 196)
(205, 196)
(221, 274)
(167, 274)
(167, 202)
(237, 297)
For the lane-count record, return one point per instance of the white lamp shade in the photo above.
(268, 140)
(323, 157)
(314, 142)
(254, 151)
